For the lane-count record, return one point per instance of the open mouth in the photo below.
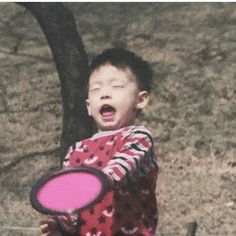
(107, 112)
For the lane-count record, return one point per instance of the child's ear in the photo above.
(143, 99)
(88, 107)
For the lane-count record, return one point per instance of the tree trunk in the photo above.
(58, 25)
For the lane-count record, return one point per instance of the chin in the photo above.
(108, 127)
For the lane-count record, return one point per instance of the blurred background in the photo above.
(192, 114)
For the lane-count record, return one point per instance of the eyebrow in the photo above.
(95, 83)
(111, 80)
(115, 79)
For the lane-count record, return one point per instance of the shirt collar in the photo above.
(110, 132)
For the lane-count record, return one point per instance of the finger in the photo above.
(52, 224)
(44, 228)
(43, 222)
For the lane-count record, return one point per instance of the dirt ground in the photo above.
(192, 50)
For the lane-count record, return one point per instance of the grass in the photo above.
(191, 47)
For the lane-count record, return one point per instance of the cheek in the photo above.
(92, 107)
(128, 99)
(127, 105)
(93, 100)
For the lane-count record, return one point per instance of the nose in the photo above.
(106, 93)
(106, 97)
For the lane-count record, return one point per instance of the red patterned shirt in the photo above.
(127, 158)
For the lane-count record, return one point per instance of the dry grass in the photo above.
(191, 47)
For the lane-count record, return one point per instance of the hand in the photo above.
(49, 228)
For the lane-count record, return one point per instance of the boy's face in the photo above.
(114, 97)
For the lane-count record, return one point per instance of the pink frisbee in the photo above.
(67, 190)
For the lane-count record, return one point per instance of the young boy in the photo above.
(118, 88)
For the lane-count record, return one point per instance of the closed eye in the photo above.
(95, 89)
(117, 86)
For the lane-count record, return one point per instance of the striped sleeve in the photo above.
(136, 155)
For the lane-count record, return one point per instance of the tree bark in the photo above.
(58, 25)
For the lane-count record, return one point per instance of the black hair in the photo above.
(122, 58)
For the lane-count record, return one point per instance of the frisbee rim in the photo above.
(50, 175)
